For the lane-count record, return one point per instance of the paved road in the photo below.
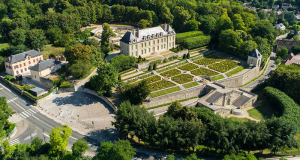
(267, 73)
(39, 124)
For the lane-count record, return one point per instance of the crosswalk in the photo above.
(15, 141)
(12, 99)
(28, 113)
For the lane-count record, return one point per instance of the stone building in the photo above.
(144, 42)
(44, 68)
(19, 64)
(254, 58)
(285, 6)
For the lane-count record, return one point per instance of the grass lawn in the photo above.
(203, 72)
(262, 112)
(183, 78)
(167, 91)
(236, 70)
(193, 84)
(49, 51)
(90, 29)
(217, 77)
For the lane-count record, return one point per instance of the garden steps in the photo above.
(181, 87)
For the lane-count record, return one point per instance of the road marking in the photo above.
(27, 113)
(30, 136)
(5, 87)
(46, 135)
(12, 99)
(15, 141)
(18, 105)
(41, 121)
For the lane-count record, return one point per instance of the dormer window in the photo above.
(149, 36)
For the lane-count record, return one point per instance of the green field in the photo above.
(239, 69)
(262, 112)
(171, 73)
(224, 66)
(188, 67)
(167, 91)
(160, 85)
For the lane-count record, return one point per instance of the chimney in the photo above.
(39, 50)
(137, 33)
(9, 58)
(133, 31)
(164, 27)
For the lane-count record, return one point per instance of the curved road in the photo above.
(39, 125)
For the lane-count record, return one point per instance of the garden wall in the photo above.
(179, 95)
(146, 64)
(63, 90)
(111, 105)
(46, 82)
(239, 80)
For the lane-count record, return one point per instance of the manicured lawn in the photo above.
(2, 44)
(193, 84)
(217, 77)
(183, 78)
(240, 119)
(224, 66)
(171, 73)
(208, 60)
(262, 112)
(167, 91)
(188, 67)
(90, 29)
(236, 70)
(203, 72)
(49, 51)
(160, 85)
(153, 79)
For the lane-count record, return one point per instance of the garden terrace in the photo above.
(183, 78)
(208, 60)
(224, 66)
(160, 85)
(188, 67)
(217, 77)
(170, 73)
(152, 79)
(163, 92)
(192, 84)
(203, 72)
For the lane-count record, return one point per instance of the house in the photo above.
(287, 44)
(267, 10)
(292, 60)
(247, 5)
(279, 26)
(19, 64)
(295, 6)
(144, 42)
(275, 6)
(254, 58)
(115, 40)
(253, 8)
(44, 68)
(285, 6)
(297, 17)
(278, 13)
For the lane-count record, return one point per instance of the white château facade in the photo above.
(144, 42)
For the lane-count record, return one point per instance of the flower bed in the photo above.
(188, 67)
(203, 72)
(190, 85)
(171, 73)
(160, 85)
(153, 79)
(183, 78)
(163, 92)
(224, 66)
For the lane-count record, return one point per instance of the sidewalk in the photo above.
(21, 124)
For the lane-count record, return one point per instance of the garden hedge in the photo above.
(195, 42)
(180, 37)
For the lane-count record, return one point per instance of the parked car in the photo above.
(273, 66)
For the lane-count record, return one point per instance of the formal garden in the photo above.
(183, 78)
(207, 60)
(170, 73)
(160, 85)
(224, 65)
(203, 72)
(188, 67)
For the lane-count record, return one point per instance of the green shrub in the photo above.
(66, 84)
(180, 37)
(160, 85)
(224, 66)
(10, 78)
(184, 56)
(154, 66)
(166, 60)
(183, 78)
(171, 73)
(27, 87)
(153, 79)
(188, 56)
(195, 42)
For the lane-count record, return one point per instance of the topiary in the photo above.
(184, 56)
(155, 66)
(150, 68)
(188, 56)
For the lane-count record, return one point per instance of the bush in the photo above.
(184, 56)
(224, 66)
(27, 88)
(160, 85)
(66, 84)
(195, 42)
(154, 66)
(10, 78)
(122, 62)
(188, 56)
(180, 37)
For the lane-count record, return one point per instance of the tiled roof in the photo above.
(22, 56)
(240, 101)
(44, 65)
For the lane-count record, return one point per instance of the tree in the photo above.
(121, 150)
(137, 94)
(240, 156)
(262, 15)
(180, 17)
(238, 22)
(283, 52)
(245, 48)
(184, 56)
(36, 145)
(165, 14)
(122, 62)
(192, 25)
(170, 157)
(54, 34)
(224, 23)
(188, 55)
(143, 23)
(208, 24)
(229, 41)
(79, 148)
(78, 52)
(106, 34)
(150, 67)
(36, 39)
(107, 77)
(295, 49)
(191, 157)
(17, 36)
(264, 29)
(80, 68)
(154, 66)
(6, 112)
(58, 139)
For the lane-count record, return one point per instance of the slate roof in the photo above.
(146, 33)
(240, 101)
(214, 97)
(37, 90)
(255, 53)
(44, 65)
(22, 56)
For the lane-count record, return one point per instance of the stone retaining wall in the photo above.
(63, 90)
(45, 82)
(145, 65)
(88, 91)
(179, 95)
